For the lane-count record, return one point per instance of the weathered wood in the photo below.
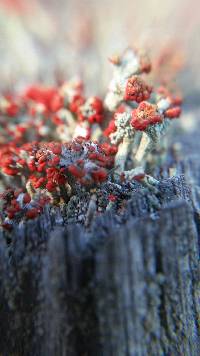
(129, 285)
(146, 277)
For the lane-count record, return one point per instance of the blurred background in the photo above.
(54, 40)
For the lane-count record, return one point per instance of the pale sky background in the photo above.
(41, 37)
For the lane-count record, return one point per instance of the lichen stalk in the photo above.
(145, 147)
(122, 154)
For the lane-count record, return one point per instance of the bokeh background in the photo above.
(48, 40)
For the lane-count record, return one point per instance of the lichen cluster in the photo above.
(56, 144)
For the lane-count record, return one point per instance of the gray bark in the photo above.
(127, 286)
(147, 279)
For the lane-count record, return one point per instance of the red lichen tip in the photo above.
(91, 110)
(173, 113)
(47, 96)
(146, 114)
(112, 197)
(137, 90)
(32, 213)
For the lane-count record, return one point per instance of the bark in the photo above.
(127, 285)
(147, 283)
